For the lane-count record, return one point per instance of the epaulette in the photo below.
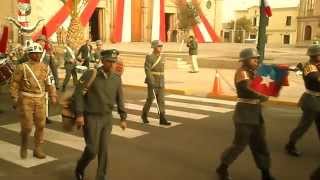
(241, 75)
(309, 68)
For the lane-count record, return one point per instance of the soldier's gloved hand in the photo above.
(79, 122)
(123, 125)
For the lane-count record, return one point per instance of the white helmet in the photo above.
(35, 48)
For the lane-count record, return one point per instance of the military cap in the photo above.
(248, 53)
(314, 50)
(156, 43)
(41, 38)
(109, 55)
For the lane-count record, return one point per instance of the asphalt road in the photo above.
(189, 150)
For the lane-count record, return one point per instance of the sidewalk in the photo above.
(201, 84)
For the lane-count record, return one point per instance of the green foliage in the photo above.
(187, 14)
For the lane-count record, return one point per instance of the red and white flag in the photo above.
(158, 21)
(122, 29)
(4, 34)
(203, 31)
(59, 17)
(266, 8)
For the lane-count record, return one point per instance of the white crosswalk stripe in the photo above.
(116, 130)
(204, 100)
(197, 107)
(181, 114)
(10, 152)
(153, 122)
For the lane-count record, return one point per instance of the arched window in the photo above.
(307, 33)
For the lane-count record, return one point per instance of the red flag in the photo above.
(267, 8)
(4, 39)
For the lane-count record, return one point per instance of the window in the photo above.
(288, 21)
(307, 33)
(286, 39)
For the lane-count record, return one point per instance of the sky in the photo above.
(231, 5)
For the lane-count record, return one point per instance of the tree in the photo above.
(243, 24)
(187, 14)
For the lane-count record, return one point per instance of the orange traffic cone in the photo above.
(217, 90)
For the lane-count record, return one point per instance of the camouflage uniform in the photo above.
(30, 99)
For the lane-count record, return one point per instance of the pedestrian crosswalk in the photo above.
(179, 110)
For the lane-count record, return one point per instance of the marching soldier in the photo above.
(85, 53)
(94, 107)
(70, 63)
(48, 59)
(154, 69)
(28, 86)
(193, 52)
(309, 102)
(248, 120)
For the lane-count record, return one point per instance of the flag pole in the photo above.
(262, 38)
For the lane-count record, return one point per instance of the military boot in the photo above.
(266, 175)
(24, 146)
(163, 121)
(144, 118)
(223, 173)
(292, 150)
(38, 152)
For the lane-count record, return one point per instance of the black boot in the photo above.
(144, 118)
(163, 121)
(223, 173)
(48, 121)
(266, 175)
(292, 150)
(79, 174)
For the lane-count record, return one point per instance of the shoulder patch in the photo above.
(241, 75)
(309, 68)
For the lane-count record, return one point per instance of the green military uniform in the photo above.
(97, 105)
(249, 124)
(193, 52)
(70, 66)
(309, 102)
(154, 70)
(85, 52)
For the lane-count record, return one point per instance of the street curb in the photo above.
(270, 102)
(172, 91)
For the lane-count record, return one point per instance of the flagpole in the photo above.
(262, 32)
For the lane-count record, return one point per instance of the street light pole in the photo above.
(262, 32)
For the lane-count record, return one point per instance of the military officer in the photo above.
(28, 86)
(94, 107)
(85, 53)
(309, 102)
(248, 120)
(70, 63)
(154, 70)
(193, 53)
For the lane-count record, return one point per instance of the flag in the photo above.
(122, 24)
(203, 31)
(4, 39)
(267, 8)
(269, 80)
(158, 21)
